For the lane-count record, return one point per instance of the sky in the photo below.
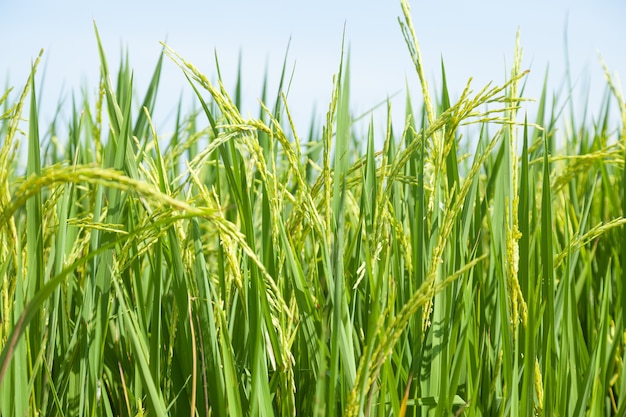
(474, 39)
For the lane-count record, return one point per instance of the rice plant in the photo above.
(471, 265)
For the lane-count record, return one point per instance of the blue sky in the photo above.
(475, 39)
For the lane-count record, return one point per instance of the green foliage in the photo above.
(243, 270)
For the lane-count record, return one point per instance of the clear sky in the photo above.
(474, 38)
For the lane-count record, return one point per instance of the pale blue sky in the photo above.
(475, 39)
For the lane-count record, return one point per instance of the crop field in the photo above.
(469, 262)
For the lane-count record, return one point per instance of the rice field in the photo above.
(468, 262)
